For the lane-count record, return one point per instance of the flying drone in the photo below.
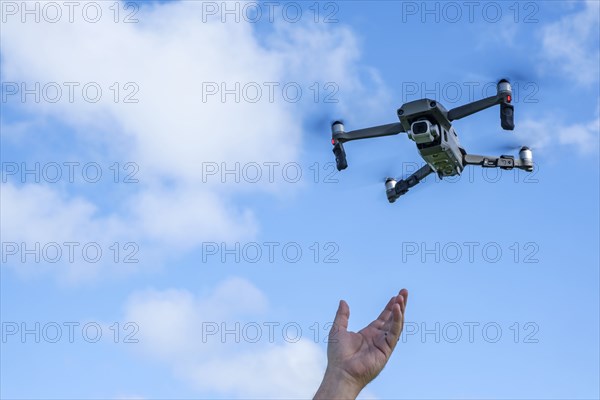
(429, 125)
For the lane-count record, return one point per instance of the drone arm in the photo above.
(382, 130)
(339, 137)
(503, 97)
(503, 162)
(395, 190)
(472, 108)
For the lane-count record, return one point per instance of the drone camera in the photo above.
(423, 131)
(420, 128)
(526, 156)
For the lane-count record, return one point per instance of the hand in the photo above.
(355, 359)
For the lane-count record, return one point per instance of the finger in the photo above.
(387, 311)
(402, 302)
(404, 293)
(397, 320)
(342, 316)
(386, 318)
(403, 314)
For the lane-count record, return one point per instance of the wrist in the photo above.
(338, 384)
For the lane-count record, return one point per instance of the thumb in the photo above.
(341, 316)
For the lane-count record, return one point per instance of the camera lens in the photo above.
(419, 127)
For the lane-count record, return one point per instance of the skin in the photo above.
(355, 358)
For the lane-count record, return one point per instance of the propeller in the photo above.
(514, 144)
(521, 72)
(517, 76)
(508, 148)
(319, 126)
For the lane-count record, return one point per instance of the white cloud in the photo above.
(171, 331)
(571, 44)
(584, 136)
(279, 371)
(38, 217)
(501, 33)
(170, 56)
(546, 132)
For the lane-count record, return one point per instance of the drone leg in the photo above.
(525, 161)
(393, 191)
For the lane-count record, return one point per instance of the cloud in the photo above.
(584, 136)
(167, 63)
(542, 133)
(172, 329)
(44, 230)
(571, 44)
(41, 220)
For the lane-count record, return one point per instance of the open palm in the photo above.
(361, 355)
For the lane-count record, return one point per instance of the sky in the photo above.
(172, 224)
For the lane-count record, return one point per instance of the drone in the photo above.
(429, 125)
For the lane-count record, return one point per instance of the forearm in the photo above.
(337, 385)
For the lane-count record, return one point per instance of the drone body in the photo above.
(429, 125)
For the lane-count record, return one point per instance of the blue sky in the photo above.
(502, 267)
